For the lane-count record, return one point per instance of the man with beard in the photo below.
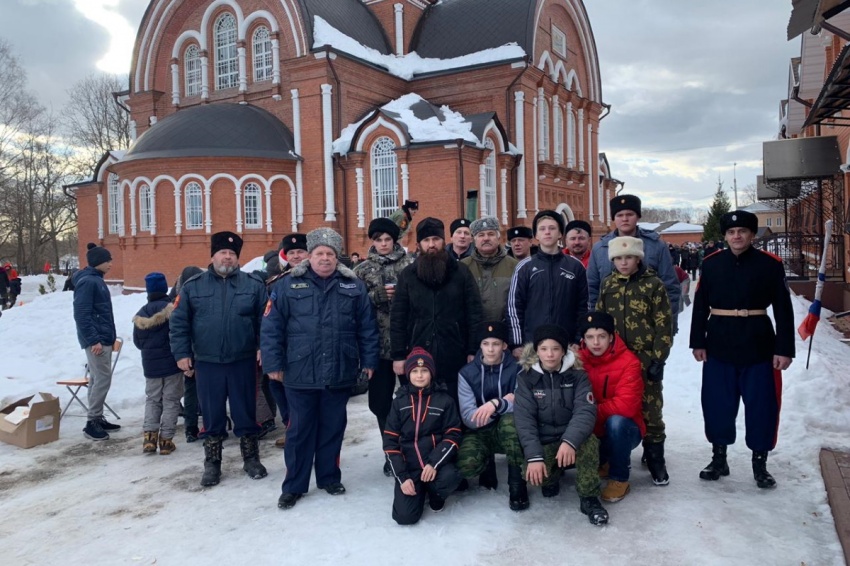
(491, 267)
(215, 329)
(461, 237)
(436, 306)
(520, 244)
(380, 271)
(578, 241)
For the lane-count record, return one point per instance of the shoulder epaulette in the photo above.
(712, 254)
(772, 255)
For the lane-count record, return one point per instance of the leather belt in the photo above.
(738, 312)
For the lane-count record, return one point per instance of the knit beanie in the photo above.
(155, 283)
(419, 357)
(551, 332)
(548, 214)
(97, 255)
(324, 237)
(624, 202)
(429, 227)
(625, 245)
(596, 319)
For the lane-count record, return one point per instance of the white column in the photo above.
(361, 212)
(581, 140)
(327, 134)
(133, 134)
(571, 153)
(238, 193)
(608, 206)
(121, 219)
(153, 209)
(593, 170)
(519, 112)
(243, 69)
(557, 131)
(132, 210)
(175, 84)
(399, 29)
(205, 78)
(100, 216)
(268, 206)
(504, 180)
(293, 208)
(207, 207)
(589, 176)
(405, 181)
(299, 168)
(178, 218)
(482, 182)
(537, 151)
(539, 102)
(275, 61)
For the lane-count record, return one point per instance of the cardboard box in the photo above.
(40, 426)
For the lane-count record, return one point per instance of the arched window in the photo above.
(384, 178)
(488, 191)
(262, 55)
(145, 208)
(194, 207)
(571, 139)
(192, 70)
(544, 130)
(116, 206)
(226, 56)
(558, 120)
(252, 201)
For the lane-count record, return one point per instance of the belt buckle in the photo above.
(742, 312)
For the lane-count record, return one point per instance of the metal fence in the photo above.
(801, 254)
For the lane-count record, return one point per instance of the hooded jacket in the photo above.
(617, 384)
(478, 383)
(493, 275)
(422, 428)
(552, 406)
(93, 309)
(150, 335)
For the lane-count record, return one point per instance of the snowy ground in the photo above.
(79, 502)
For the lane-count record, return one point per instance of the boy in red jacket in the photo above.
(615, 376)
(421, 441)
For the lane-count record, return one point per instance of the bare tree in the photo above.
(748, 195)
(17, 106)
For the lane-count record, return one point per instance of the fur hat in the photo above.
(410, 205)
(596, 319)
(419, 357)
(625, 245)
(458, 223)
(578, 224)
(293, 242)
(155, 283)
(739, 219)
(225, 241)
(486, 223)
(97, 255)
(493, 329)
(520, 232)
(551, 332)
(625, 202)
(324, 237)
(548, 214)
(428, 227)
(380, 226)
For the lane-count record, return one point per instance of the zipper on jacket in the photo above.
(416, 416)
(605, 388)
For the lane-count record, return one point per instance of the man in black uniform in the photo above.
(742, 356)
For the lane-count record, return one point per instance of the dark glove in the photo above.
(655, 371)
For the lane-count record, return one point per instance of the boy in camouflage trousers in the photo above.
(637, 300)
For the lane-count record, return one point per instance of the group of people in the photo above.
(10, 286)
(689, 255)
(552, 354)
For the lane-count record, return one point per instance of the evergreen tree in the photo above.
(719, 206)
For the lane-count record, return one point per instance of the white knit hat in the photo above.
(625, 245)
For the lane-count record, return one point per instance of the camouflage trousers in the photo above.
(478, 446)
(653, 411)
(587, 466)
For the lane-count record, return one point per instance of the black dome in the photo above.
(216, 130)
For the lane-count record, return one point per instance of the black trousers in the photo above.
(382, 386)
(407, 509)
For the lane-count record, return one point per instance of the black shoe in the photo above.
(335, 488)
(249, 447)
(212, 461)
(388, 469)
(288, 500)
(763, 478)
(464, 485)
(718, 465)
(192, 433)
(596, 513)
(488, 479)
(108, 426)
(551, 490)
(656, 463)
(94, 431)
(517, 489)
(436, 503)
(266, 428)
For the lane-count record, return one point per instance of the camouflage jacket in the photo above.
(642, 314)
(402, 220)
(376, 271)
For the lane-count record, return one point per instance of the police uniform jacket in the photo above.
(752, 280)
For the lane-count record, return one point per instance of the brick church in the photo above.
(266, 117)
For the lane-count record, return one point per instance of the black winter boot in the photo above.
(517, 489)
(763, 478)
(250, 449)
(212, 461)
(488, 478)
(596, 513)
(656, 463)
(718, 466)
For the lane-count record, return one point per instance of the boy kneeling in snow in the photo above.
(421, 441)
(486, 391)
(554, 413)
(615, 376)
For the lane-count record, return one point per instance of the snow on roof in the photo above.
(759, 207)
(407, 66)
(649, 225)
(683, 228)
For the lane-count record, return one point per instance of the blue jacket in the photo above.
(656, 256)
(150, 335)
(93, 309)
(478, 383)
(217, 319)
(319, 331)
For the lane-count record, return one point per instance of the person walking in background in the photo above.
(96, 333)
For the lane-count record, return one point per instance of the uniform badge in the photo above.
(590, 398)
(268, 308)
(230, 239)
(622, 201)
(293, 239)
(538, 393)
(489, 329)
(300, 286)
(348, 285)
(590, 319)
(734, 217)
(420, 363)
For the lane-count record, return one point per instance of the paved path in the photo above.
(835, 467)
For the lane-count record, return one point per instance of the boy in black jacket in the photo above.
(421, 441)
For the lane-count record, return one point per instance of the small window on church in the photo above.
(116, 205)
(226, 55)
(384, 178)
(544, 131)
(262, 55)
(488, 191)
(194, 207)
(192, 70)
(559, 41)
(145, 208)
(253, 206)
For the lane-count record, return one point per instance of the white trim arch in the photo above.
(293, 202)
(561, 72)
(364, 135)
(546, 64)
(565, 209)
(572, 78)
(208, 13)
(177, 51)
(491, 128)
(253, 17)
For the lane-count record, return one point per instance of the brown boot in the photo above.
(149, 445)
(603, 471)
(281, 441)
(166, 446)
(615, 491)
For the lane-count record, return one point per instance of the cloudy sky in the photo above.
(694, 86)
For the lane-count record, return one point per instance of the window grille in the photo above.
(192, 70)
(384, 178)
(544, 130)
(571, 138)
(194, 207)
(145, 208)
(251, 198)
(116, 205)
(226, 55)
(488, 199)
(262, 55)
(559, 134)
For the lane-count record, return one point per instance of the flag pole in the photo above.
(809, 324)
